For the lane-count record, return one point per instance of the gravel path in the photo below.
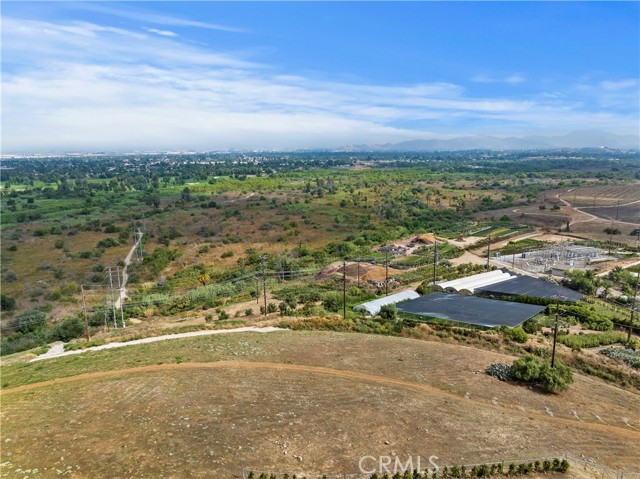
(57, 349)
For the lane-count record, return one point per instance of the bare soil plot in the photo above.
(603, 195)
(299, 402)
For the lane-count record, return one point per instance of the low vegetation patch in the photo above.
(531, 369)
(592, 340)
(629, 356)
(84, 345)
(499, 469)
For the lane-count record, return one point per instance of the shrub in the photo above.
(108, 243)
(532, 369)
(332, 302)
(18, 344)
(516, 334)
(527, 368)
(30, 321)
(500, 370)
(388, 312)
(248, 312)
(629, 356)
(7, 303)
(531, 326)
(592, 340)
(9, 277)
(227, 254)
(66, 330)
(223, 315)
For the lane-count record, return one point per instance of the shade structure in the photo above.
(528, 286)
(483, 312)
(469, 283)
(373, 307)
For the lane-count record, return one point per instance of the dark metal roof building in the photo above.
(470, 310)
(528, 286)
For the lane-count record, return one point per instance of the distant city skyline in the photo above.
(125, 76)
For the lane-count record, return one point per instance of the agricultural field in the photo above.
(303, 402)
(604, 195)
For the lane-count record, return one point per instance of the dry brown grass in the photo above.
(327, 397)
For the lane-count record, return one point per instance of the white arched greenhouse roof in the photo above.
(373, 307)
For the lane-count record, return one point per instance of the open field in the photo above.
(603, 195)
(296, 401)
(619, 203)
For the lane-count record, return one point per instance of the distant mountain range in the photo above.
(576, 139)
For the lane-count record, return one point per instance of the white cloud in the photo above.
(153, 17)
(620, 85)
(514, 79)
(163, 33)
(82, 86)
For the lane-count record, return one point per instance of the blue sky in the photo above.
(216, 75)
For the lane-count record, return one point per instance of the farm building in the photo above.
(500, 283)
(469, 284)
(373, 307)
(528, 286)
(482, 312)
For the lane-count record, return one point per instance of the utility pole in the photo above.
(264, 285)
(386, 272)
(106, 323)
(555, 332)
(633, 308)
(257, 291)
(120, 298)
(617, 208)
(344, 289)
(488, 250)
(435, 260)
(113, 303)
(610, 237)
(358, 274)
(84, 314)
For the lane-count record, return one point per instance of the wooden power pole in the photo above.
(84, 314)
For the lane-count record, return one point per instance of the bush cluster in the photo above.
(454, 472)
(532, 369)
(593, 340)
(629, 356)
(501, 371)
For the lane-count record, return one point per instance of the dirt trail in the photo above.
(344, 374)
(58, 348)
(125, 276)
